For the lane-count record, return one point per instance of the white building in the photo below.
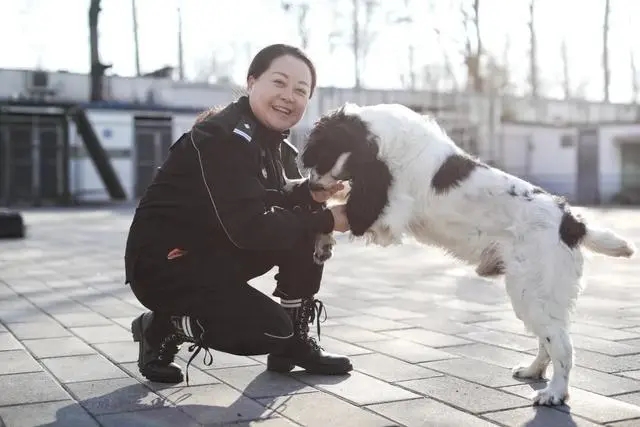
(585, 151)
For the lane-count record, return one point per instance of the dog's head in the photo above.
(342, 147)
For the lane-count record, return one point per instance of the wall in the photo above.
(536, 153)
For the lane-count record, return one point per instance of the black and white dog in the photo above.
(409, 178)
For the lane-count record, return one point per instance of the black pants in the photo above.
(213, 288)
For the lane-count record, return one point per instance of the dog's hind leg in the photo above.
(536, 370)
(560, 348)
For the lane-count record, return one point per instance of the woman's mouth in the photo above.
(282, 110)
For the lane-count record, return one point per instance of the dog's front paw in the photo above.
(550, 396)
(323, 249)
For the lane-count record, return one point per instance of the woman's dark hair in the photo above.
(263, 59)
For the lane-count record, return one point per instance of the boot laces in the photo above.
(169, 347)
(312, 310)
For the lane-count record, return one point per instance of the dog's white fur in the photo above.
(483, 224)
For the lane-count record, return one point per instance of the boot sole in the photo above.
(285, 364)
(136, 332)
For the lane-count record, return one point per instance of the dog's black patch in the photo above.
(368, 196)
(572, 229)
(455, 169)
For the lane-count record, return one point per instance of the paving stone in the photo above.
(220, 360)
(56, 347)
(475, 371)
(161, 417)
(119, 352)
(464, 394)
(102, 334)
(429, 338)
(629, 423)
(81, 319)
(341, 347)
(115, 395)
(604, 363)
(358, 388)
(503, 339)
(610, 334)
(408, 351)
(538, 416)
(353, 334)
(589, 405)
(118, 309)
(256, 382)
(392, 313)
(215, 403)
(602, 383)
(612, 348)
(16, 362)
(492, 354)
(444, 325)
(82, 368)
(65, 413)
(304, 410)
(29, 388)
(389, 369)
(196, 377)
(373, 323)
(514, 326)
(8, 342)
(34, 330)
(429, 413)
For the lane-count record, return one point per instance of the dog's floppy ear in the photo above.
(368, 195)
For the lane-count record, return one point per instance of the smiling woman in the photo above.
(227, 213)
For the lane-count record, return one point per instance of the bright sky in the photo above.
(53, 34)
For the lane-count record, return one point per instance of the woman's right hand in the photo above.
(340, 221)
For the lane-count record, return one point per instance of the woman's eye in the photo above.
(301, 92)
(279, 82)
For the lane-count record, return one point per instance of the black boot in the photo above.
(303, 350)
(155, 360)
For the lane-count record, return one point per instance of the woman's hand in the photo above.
(322, 196)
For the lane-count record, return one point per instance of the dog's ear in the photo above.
(368, 196)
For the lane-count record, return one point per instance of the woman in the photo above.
(217, 215)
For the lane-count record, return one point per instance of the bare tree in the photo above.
(566, 78)
(534, 80)
(635, 79)
(301, 11)
(363, 35)
(97, 67)
(605, 50)
(473, 54)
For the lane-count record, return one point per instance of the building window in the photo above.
(566, 141)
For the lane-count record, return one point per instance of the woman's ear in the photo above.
(250, 82)
(368, 196)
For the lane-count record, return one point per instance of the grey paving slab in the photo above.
(56, 347)
(35, 330)
(17, 362)
(431, 343)
(29, 388)
(428, 413)
(64, 413)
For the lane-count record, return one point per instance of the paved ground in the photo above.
(432, 344)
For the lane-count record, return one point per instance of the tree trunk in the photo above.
(533, 53)
(566, 79)
(97, 67)
(605, 51)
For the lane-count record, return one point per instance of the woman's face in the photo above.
(279, 97)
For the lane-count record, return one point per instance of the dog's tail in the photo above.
(606, 242)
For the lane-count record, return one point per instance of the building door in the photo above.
(588, 179)
(630, 167)
(32, 159)
(153, 137)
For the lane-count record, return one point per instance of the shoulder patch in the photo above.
(245, 128)
(290, 145)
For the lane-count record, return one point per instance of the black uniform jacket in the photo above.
(222, 188)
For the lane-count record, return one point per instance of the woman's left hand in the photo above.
(321, 196)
